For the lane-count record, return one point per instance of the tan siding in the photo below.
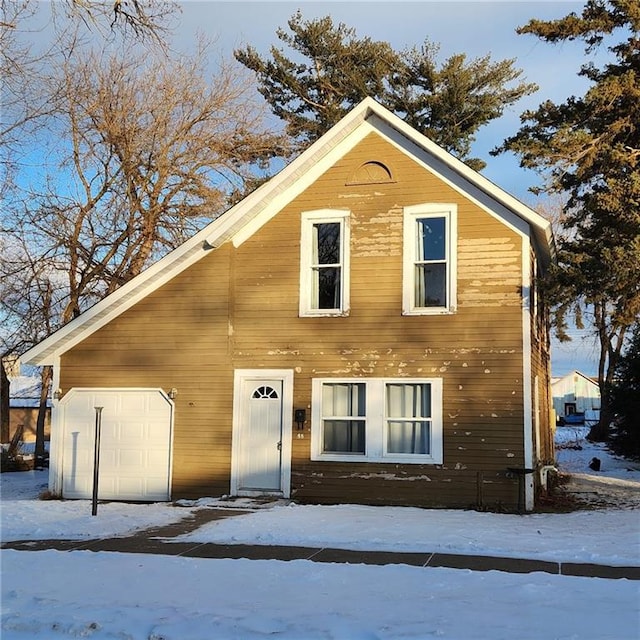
(478, 351)
(177, 337)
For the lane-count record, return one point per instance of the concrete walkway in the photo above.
(158, 541)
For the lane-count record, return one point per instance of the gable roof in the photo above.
(243, 219)
(570, 377)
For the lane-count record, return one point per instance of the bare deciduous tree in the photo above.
(144, 18)
(34, 38)
(29, 297)
(150, 152)
(147, 150)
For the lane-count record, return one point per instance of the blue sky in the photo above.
(474, 28)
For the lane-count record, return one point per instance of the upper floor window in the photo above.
(429, 267)
(324, 263)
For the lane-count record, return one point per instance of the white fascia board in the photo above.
(249, 215)
(266, 199)
(258, 208)
(242, 220)
(588, 379)
(567, 380)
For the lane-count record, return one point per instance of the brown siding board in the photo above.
(490, 345)
(431, 489)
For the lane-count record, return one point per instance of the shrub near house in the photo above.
(361, 328)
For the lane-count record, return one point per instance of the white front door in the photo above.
(261, 456)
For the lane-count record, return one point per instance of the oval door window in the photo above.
(265, 392)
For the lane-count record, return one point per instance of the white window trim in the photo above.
(308, 219)
(375, 422)
(450, 213)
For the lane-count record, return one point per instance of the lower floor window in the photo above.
(377, 419)
(343, 410)
(409, 418)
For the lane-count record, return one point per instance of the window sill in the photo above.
(435, 311)
(390, 459)
(323, 314)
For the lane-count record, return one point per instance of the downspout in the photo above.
(526, 375)
(544, 475)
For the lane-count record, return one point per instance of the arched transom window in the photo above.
(265, 392)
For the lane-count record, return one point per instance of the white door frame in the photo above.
(286, 376)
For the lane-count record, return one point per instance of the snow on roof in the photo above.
(573, 374)
(24, 391)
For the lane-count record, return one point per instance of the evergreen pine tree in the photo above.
(589, 148)
(332, 69)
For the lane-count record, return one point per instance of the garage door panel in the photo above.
(137, 431)
(133, 458)
(108, 460)
(109, 432)
(77, 488)
(156, 458)
(133, 405)
(107, 486)
(129, 488)
(135, 444)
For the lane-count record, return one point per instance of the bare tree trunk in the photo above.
(40, 453)
(600, 431)
(611, 339)
(4, 404)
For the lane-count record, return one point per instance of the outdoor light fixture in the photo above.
(173, 392)
(57, 394)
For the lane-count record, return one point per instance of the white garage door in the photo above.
(135, 444)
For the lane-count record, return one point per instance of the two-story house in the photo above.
(361, 328)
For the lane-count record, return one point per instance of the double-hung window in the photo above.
(408, 418)
(377, 420)
(429, 264)
(343, 418)
(324, 263)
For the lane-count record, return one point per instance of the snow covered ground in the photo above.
(50, 594)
